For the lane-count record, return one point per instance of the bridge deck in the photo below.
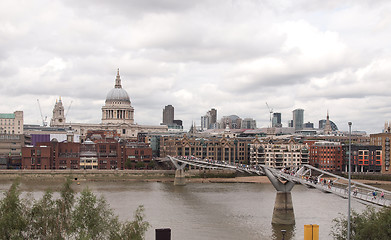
(300, 175)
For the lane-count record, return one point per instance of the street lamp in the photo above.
(350, 157)
(283, 234)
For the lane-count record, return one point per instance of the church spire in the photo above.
(118, 80)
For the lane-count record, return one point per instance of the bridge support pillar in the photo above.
(180, 179)
(283, 209)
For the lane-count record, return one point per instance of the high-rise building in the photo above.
(276, 120)
(298, 119)
(290, 123)
(168, 115)
(213, 116)
(209, 120)
(249, 123)
(205, 122)
(232, 121)
(309, 125)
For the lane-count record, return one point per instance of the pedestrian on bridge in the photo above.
(374, 193)
(355, 191)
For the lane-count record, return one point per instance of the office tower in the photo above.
(298, 119)
(168, 115)
(209, 120)
(309, 125)
(249, 123)
(290, 123)
(205, 122)
(232, 121)
(178, 122)
(276, 120)
(213, 115)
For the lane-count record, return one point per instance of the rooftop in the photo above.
(7, 115)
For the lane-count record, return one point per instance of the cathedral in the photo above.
(117, 114)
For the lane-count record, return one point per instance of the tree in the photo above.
(369, 225)
(89, 217)
(93, 219)
(13, 214)
(136, 229)
(128, 164)
(139, 165)
(151, 164)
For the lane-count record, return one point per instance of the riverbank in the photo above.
(192, 176)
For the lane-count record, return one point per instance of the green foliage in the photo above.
(135, 230)
(152, 165)
(128, 164)
(93, 219)
(13, 217)
(139, 165)
(369, 225)
(89, 217)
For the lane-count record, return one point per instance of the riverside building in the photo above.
(279, 153)
(383, 140)
(99, 153)
(231, 150)
(327, 156)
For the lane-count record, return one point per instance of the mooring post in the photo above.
(283, 207)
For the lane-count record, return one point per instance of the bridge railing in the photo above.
(304, 174)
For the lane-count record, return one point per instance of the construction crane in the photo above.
(44, 123)
(271, 112)
(66, 114)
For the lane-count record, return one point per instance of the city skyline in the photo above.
(232, 56)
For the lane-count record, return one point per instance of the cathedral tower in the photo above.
(58, 118)
(327, 128)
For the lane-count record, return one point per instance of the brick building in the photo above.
(39, 157)
(100, 154)
(383, 140)
(327, 156)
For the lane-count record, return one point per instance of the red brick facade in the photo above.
(109, 153)
(327, 156)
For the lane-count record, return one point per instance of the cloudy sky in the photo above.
(196, 55)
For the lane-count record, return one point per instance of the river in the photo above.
(210, 211)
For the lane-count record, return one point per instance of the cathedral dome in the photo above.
(118, 93)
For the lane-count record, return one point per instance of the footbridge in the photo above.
(284, 180)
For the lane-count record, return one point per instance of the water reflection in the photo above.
(289, 231)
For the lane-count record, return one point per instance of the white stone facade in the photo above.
(279, 154)
(11, 123)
